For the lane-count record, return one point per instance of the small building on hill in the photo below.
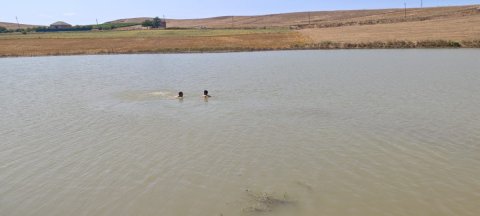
(60, 25)
(163, 24)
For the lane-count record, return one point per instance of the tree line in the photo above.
(155, 23)
(106, 26)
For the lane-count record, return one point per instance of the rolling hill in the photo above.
(323, 19)
(16, 26)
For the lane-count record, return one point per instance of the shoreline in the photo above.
(326, 45)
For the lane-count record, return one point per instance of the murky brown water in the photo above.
(390, 132)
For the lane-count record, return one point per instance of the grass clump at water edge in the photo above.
(400, 44)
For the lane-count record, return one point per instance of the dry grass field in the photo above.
(388, 28)
(457, 28)
(153, 41)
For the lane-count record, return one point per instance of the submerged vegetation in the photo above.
(266, 202)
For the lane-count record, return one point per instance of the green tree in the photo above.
(147, 23)
(3, 29)
(156, 22)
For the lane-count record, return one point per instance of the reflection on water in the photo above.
(371, 132)
(147, 95)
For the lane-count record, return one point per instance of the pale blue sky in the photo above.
(80, 12)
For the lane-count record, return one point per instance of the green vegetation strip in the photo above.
(142, 33)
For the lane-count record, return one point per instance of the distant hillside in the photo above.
(322, 19)
(131, 20)
(15, 26)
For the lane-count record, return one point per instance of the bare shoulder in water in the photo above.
(205, 94)
(180, 95)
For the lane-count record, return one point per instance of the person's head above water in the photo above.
(205, 94)
(180, 94)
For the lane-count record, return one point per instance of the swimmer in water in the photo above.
(205, 94)
(180, 95)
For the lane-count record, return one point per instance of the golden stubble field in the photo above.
(452, 28)
(148, 41)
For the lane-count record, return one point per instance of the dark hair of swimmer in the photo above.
(180, 94)
(205, 92)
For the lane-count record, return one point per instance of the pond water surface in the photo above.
(371, 132)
